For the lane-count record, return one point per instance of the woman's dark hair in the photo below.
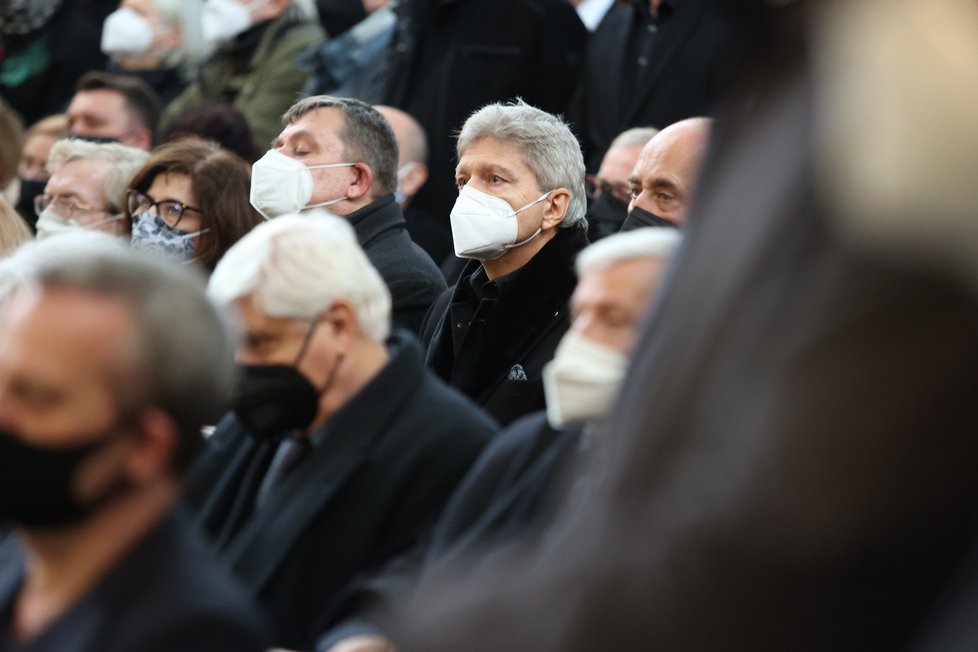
(220, 182)
(220, 123)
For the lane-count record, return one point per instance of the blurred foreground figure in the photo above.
(797, 447)
(109, 366)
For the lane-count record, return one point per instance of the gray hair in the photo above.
(182, 353)
(126, 162)
(192, 50)
(549, 148)
(367, 137)
(297, 266)
(646, 242)
(634, 136)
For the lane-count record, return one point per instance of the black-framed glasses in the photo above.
(596, 186)
(168, 210)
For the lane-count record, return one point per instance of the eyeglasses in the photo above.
(168, 210)
(596, 186)
(65, 208)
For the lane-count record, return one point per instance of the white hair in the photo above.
(21, 265)
(126, 163)
(634, 136)
(192, 49)
(549, 148)
(296, 266)
(646, 242)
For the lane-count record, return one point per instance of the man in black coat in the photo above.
(650, 63)
(796, 468)
(340, 450)
(519, 217)
(109, 366)
(342, 154)
(451, 57)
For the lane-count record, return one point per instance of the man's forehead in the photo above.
(490, 152)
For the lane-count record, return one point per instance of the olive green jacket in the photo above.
(268, 85)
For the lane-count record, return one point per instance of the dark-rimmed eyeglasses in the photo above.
(66, 209)
(596, 186)
(168, 210)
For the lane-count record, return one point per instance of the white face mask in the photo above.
(485, 227)
(222, 20)
(582, 381)
(405, 170)
(281, 185)
(126, 33)
(50, 223)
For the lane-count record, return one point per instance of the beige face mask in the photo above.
(581, 383)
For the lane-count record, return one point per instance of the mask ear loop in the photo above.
(535, 233)
(302, 352)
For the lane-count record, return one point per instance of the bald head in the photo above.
(664, 178)
(412, 168)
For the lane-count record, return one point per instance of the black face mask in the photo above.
(607, 214)
(29, 189)
(36, 484)
(98, 140)
(271, 400)
(640, 217)
(274, 399)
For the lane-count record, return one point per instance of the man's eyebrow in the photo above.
(298, 134)
(663, 183)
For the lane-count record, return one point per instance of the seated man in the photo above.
(114, 108)
(609, 189)
(516, 482)
(109, 365)
(253, 67)
(666, 174)
(342, 154)
(341, 448)
(519, 218)
(87, 187)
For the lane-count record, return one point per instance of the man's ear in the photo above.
(341, 320)
(555, 208)
(141, 138)
(362, 182)
(156, 447)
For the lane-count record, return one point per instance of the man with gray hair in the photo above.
(87, 188)
(110, 364)
(341, 154)
(340, 449)
(519, 218)
(609, 190)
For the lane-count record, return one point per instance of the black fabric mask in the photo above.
(274, 399)
(606, 216)
(36, 484)
(98, 140)
(29, 189)
(640, 217)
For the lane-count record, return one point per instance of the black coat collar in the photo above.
(376, 219)
(535, 301)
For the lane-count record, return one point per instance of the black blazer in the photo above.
(684, 79)
(523, 328)
(367, 494)
(411, 276)
(451, 57)
(165, 595)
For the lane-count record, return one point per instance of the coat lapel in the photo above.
(265, 542)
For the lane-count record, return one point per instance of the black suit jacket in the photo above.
(795, 442)
(684, 78)
(522, 328)
(412, 277)
(367, 494)
(165, 595)
(451, 57)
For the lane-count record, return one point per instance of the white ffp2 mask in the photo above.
(222, 20)
(485, 227)
(281, 185)
(582, 381)
(126, 33)
(49, 223)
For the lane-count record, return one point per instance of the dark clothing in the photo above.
(379, 473)
(795, 441)
(451, 57)
(38, 71)
(510, 492)
(430, 234)
(412, 277)
(168, 83)
(649, 72)
(492, 340)
(165, 595)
